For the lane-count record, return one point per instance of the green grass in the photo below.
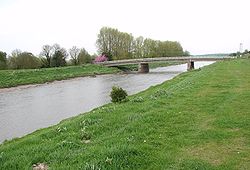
(134, 67)
(11, 78)
(165, 64)
(198, 120)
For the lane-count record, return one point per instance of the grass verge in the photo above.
(134, 67)
(198, 120)
(12, 78)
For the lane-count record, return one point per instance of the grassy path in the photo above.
(198, 120)
(12, 78)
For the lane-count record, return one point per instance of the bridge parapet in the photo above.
(143, 62)
(161, 59)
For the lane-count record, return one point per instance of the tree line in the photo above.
(238, 53)
(50, 56)
(110, 42)
(120, 45)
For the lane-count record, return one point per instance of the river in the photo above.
(28, 108)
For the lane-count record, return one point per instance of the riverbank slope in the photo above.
(12, 78)
(198, 120)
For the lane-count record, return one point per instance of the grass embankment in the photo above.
(11, 78)
(198, 120)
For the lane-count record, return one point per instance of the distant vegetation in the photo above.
(120, 45)
(216, 54)
(110, 42)
(23, 60)
(50, 56)
(246, 53)
(112, 45)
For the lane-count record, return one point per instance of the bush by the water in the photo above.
(118, 94)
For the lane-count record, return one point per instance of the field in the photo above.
(198, 120)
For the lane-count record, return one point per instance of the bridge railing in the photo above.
(160, 59)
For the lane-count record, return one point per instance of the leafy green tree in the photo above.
(106, 40)
(23, 60)
(12, 59)
(58, 59)
(246, 51)
(233, 54)
(186, 53)
(3, 60)
(84, 57)
(115, 44)
(59, 56)
(149, 48)
(124, 47)
(121, 45)
(138, 47)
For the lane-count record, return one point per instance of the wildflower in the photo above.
(108, 160)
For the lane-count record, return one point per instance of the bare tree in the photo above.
(56, 47)
(74, 53)
(47, 52)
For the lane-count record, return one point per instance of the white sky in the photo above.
(201, 26)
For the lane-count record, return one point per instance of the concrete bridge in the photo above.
(144, 67)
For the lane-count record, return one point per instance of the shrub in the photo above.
(118, 94)
(101, 58)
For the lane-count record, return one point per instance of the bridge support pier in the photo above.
(143, 68)
(190, 65)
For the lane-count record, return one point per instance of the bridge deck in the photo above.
(160, 59)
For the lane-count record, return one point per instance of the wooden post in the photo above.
(143, 68)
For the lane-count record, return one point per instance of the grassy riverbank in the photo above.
(134, 67)
(198, 120)
(11, 78)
